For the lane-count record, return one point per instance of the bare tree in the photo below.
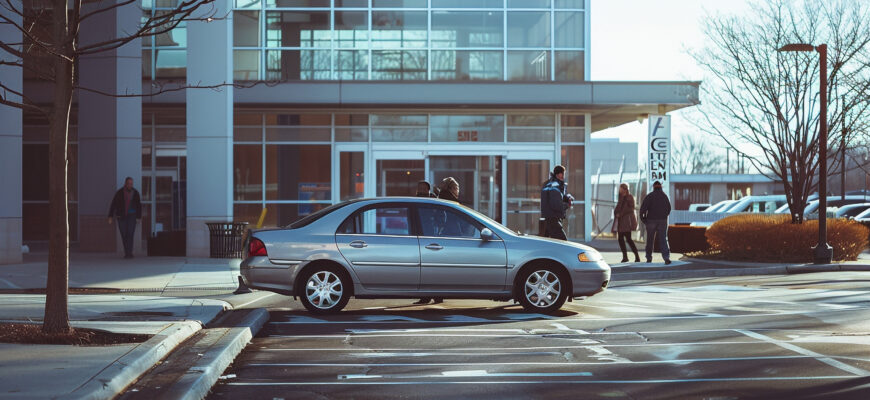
(50, 44)
(765, 103)
(693, 154)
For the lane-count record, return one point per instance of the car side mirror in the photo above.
(486, 234)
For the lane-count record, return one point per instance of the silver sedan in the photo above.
(409, 247)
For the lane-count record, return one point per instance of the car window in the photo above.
(378, 221)
(854, 211)
(307, 220)
(443, 222)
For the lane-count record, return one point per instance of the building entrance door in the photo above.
(479, 177)
(526, 173)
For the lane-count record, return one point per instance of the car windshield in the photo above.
(486, 219)
(317, 215)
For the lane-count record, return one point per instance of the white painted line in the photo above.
(547, 382)
(254, 301)
(520, 348)
(800, 350)
(465, 374)
(442, 354)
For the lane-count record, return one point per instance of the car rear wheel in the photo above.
(325, 290)
(542, 290)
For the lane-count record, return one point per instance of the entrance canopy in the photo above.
(609, 103)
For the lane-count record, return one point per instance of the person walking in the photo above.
(448, 190)
(424, 189)
(554, 203)
(654, 213)
(127, 209)
(625, 222)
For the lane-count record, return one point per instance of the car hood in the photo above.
(554, 243)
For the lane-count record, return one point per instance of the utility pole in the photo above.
(843, 163)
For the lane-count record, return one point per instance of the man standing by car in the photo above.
(127, 208)
(654, 213)
(554, 203)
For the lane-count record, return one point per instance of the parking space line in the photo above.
(800, 350)
(546, 382)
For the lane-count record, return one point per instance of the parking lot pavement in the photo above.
(729, 337)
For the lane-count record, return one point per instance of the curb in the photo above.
(199, 379)
(127, 369)
(699, 273)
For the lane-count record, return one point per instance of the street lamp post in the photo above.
(823, 253)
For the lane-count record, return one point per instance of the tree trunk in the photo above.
(56, 318)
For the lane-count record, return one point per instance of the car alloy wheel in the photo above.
(542, 291)
(324, 291)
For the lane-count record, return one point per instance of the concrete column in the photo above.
(209, 126)
(10, 149)
(110, 128)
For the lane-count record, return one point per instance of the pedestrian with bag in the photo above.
(654, 212)
(127, 209)
(554, 203)
(625, 222)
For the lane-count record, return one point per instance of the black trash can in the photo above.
(226, 239)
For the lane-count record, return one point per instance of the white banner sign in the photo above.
(659, 150)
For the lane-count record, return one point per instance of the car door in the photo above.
(453, 256)
(378, 243)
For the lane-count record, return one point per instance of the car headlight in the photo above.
(589, 256)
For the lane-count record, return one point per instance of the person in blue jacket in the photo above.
(555, 201)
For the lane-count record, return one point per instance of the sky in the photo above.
(644, 40)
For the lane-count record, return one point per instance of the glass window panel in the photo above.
(297, 29)
(574, 161)
(396, 29)
(174, 116)
(285, 214)
(399, 120)
(528, 29)
(247, 3)
(246, 28)
(351, 120)
(313, 119)
(247, 172)
(351, 134)
(465, 65)
(573, 128)
(146, 159)
(570, 4)
(351, 176)
(165, 3)
(171, 63)
(247, 134)
(528, 65)
(399, 3)
(569, 29)
(146, 15)
(352, 3)
(575, 222)
(467, 128)
(352, 64)
(296, 3)
(570, 66)
(298, 134)
(398, 65)
(399, 177)
(531, 135)
(441, 222)
(467, 29)
(289, 65)
(573, 121)
(467, 3)
(177, 37)
(528, 3)
(539, 120)
(352, 29)
(523, 191)
(299, 172)
(398, 135)
(147, 64)
(249, 213)
(170, 134)
(246, 65)
(249, 119)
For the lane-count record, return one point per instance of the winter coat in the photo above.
(624, 217)
(117, 207)
(656, 205)
(553, 204)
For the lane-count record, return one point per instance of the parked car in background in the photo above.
(757, 204)
(863, 217)
(413, 247)
(699, 207)
(836, 201)
(852, 210)
(720, 206)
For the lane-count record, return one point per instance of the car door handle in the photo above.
(358, 244)
(434, 246)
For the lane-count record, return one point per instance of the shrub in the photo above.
(687, 239)
(761, 237)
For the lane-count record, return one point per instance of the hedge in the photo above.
(686, 239)
(761, 237)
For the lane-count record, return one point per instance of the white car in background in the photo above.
(852, 210)
(758, 204)
(863, 217)
(720, 206)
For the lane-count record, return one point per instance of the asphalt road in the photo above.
(796, 336)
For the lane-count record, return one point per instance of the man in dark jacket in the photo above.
(554, 203)
(654, 213)
(127, 208)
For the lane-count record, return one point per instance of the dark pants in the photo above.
(657, 227)
(554, 229)
(626, 236)
(127, 227)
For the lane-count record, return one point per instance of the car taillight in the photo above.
(256, 248)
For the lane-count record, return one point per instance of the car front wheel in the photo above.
(325, 290)
(542, 290)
